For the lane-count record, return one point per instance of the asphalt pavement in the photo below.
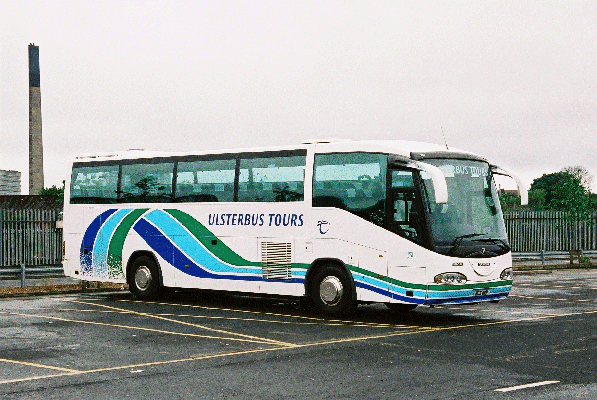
(540, 343)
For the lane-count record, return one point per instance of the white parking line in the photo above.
(528, 385)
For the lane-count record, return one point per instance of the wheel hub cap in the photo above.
(331, 290)
(142, 278)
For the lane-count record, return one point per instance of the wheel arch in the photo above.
(320, 263)
(140, 253)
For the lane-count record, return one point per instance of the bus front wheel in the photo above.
(144, 282)
(332, 291)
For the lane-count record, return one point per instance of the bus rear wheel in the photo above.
(332, 291)
(144, 280)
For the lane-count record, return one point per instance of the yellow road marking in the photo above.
(283, 345)
(36, 378)
(249, 337)
(331, 322)
(315, 321)
(45, 366)
(194, 358)
(211, 317)
(323, 343)
(138, 328)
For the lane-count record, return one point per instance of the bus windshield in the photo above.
(471, 223)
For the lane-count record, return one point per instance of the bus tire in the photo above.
(332, 291)
(401, 307)
(144, 280)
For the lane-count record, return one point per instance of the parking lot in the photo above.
(540, 342)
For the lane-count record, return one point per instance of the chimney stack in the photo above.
(36, 148)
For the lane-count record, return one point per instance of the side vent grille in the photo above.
(276, 260)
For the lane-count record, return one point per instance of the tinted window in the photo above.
(205, 180)
(473, 210)
(355, 182)
(276, 179)
(95, 184)
(406, 211)
(146, 183)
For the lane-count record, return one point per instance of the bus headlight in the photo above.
(450, 278)
(506, 274)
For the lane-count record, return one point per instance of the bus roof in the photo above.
(400, 147)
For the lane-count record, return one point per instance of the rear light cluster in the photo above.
(450, 278)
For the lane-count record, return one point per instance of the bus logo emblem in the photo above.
(321, 224)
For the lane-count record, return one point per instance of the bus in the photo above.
(335, 222)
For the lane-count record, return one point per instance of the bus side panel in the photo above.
(219, 273)
(384, 266)
(74, 227)
(411, 293)
(87, 243)
(193, 254)
(371, 286)
(134, 243)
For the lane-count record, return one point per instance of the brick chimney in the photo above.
(36, 148)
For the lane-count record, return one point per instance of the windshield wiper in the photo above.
(500, 242)
(458, 240)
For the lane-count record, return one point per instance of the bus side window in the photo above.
(94, 184)
(354, 182)
(271, 179)
(205, 180)
(146, 183)
(406, 212)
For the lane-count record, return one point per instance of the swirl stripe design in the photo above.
(205, 237)
(177, 237)
(189, 245)
(102, 241)
(170, 252)
(114, 258)
(86, 253)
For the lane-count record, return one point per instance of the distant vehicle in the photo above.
(338, 222)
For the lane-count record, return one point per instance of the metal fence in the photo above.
(535, 231)
(29, 237)
(572, 257)
(31, 272)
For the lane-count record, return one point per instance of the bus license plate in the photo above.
(481, 292)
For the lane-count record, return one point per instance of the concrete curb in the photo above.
(37, 290)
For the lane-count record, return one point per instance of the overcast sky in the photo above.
(514, 81)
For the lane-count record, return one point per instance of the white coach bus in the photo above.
(338, 222)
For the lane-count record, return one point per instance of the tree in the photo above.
(54, 191)
(512, 203)
(580, 172)
(564, 191)
(548, 184)
(537, 199)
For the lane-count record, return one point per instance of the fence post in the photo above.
(22, 275)
(542, 257)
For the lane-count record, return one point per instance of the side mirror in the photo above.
(524, 194)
